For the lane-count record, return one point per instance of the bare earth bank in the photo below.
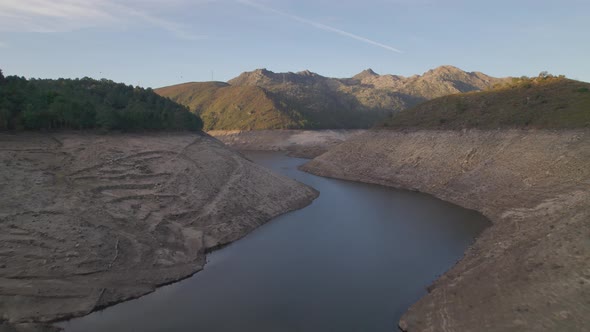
(91, 220)
(530, 271)
(299, 143)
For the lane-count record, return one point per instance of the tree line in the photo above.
(88, 104)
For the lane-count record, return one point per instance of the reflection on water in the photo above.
(354, 260)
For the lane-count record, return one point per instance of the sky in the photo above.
(154, 43)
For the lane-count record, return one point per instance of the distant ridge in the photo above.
(308, 100)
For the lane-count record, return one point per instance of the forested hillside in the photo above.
(87, 103)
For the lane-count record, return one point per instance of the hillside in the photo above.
(222, 106)
(542, 102)
(310, 101)
(87, 103)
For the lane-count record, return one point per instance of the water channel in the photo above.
(353, 260)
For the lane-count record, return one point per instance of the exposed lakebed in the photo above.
(353, 260)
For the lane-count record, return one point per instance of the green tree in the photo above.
(87, 103)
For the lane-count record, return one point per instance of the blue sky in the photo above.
(157, 43)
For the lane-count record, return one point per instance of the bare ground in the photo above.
(530, 271)
(89, 220)
(299, 143)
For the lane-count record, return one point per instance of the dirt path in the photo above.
(90, 220)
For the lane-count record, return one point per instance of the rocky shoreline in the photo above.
(299, 143)
(530, 271)
(89, 220)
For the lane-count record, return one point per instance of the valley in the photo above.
(93, 217)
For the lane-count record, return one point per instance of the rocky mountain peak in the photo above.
(254, 77)
(447, 68)
(443, 70)
(261, 72)
(367, 73)
(307, 73)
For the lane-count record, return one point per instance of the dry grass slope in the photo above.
(549, 103)
(223, 107)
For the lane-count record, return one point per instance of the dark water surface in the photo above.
(354, 260)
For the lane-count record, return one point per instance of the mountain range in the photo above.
(262, 99)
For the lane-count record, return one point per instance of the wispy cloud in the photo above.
(318, 25)
(178, 30)
(59, 8)
(68, 15)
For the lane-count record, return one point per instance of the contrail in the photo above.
(318, 25)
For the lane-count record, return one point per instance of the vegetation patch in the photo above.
(87, 103)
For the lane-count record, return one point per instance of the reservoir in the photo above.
(353, 260)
